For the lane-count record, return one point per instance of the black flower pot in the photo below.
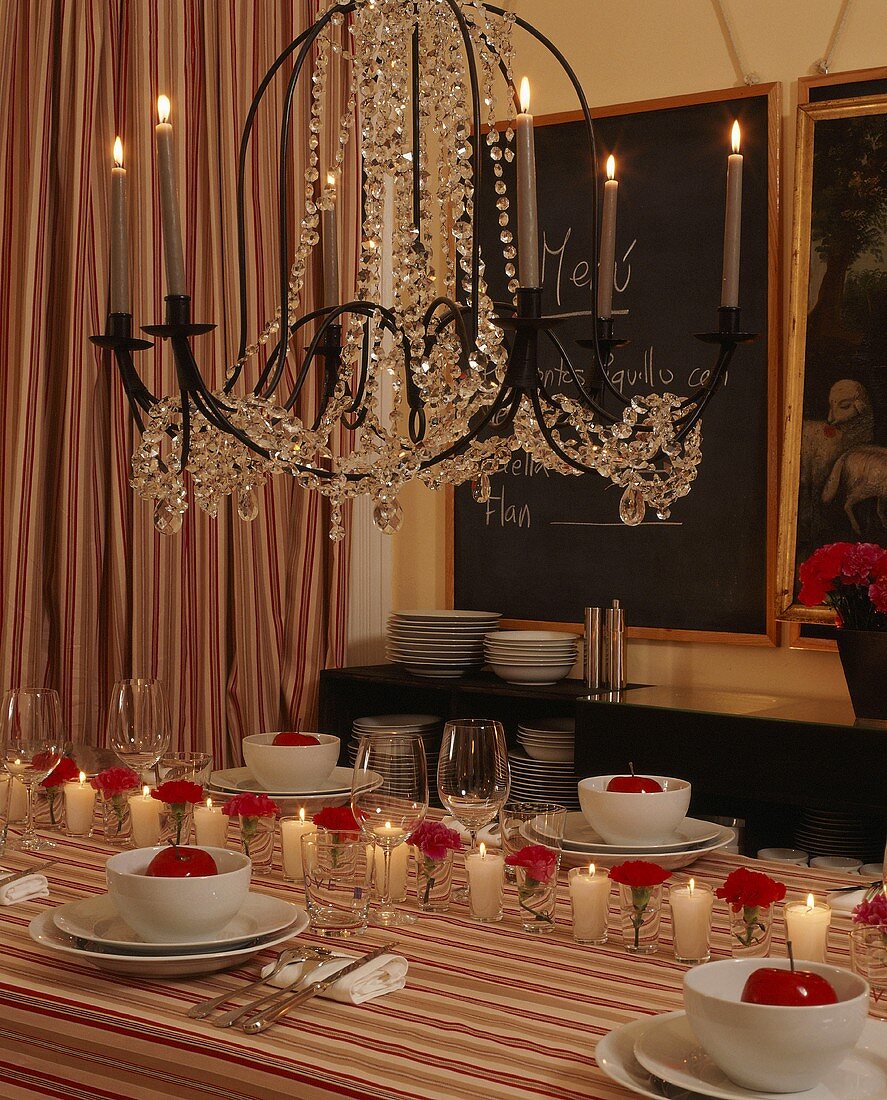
(864, 659)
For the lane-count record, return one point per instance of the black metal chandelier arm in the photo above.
(506, 393)
(723, 359)
(604, 414)
(278, 362)
(693, 415)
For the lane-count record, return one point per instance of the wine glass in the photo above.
(473, 776)
(389, 797)
(31, 741)
(138, 723)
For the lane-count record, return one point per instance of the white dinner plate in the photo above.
(614, 1055)
(668, 1049)
(397, 721)
(98, 920)
(43, 931)
(669, 861)
(579, 836)
(447, 616)
(242, 780)
(548, 725)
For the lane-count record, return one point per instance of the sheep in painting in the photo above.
(862, 473)
(850, 422)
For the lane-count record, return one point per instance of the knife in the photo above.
(37, 869)
(252, 1025)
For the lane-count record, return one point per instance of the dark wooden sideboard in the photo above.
(759, 757)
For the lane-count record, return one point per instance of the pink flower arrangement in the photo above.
(434, 840)
(872, 910)
(851, 577)
(538, 862)
(115, 781)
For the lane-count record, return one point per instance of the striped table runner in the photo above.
(488, 1011)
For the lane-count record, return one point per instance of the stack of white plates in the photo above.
(427, 726)
(543, 780)
(335, 790)
(548, 738)
(832, 833)
(531, 656)
(439, 644)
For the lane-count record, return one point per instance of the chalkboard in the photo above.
(547, 545)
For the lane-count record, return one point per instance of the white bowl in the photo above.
(177, 910)
(535, 636)
(836, 863)
(549, 752)
(532, 673)
(773, 1048)
(290, 768)
(784, 855)
(634, 819)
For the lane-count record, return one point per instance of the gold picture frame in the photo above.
(801, 501)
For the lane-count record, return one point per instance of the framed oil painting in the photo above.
(834, 483)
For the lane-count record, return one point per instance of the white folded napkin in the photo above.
(23, 889)
(379, 976)
(847, 901)
(489, 834)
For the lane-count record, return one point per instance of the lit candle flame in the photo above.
(591, 870)
(387, 824)
(302, 814)
(82, 778)
(209, 803)
(163, 106)
(483, 850)
(525, 96)
(146, 791)
(611, 167)
(692, 885)
(734, 136)
(118, 153)
(811, 902)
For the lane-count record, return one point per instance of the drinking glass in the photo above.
(336, 892)
(473, 776)
(389, 797)
(138, 723)
(31, 741)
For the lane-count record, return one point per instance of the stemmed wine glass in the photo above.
(138, 723)
(31, 741)
(389, 797)
(473, 775)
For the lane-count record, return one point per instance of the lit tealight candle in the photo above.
(732, 224)
(590, 901)
(389, 837)
(210, 826)
(806, 926)
(691, 906)
(144, 813)
(14, 796)
(292, 829)
(79, 806)
(486, 884)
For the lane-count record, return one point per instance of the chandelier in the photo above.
(439, 383)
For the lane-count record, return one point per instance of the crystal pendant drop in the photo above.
(388, 516)
(247, 505)
(167, 519)
(480, 489)
(632, 507)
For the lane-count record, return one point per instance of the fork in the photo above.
(293, 954)
(234, 1015)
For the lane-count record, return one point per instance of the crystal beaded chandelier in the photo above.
(439, 383)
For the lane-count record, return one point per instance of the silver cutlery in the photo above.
(34, 869)
(235, 1015)
(292, 954)
(252, 1025)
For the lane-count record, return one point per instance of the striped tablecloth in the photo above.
(488, 1011)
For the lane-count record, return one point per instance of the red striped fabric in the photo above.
(236, 618)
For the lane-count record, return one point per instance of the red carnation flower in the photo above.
(745, 889)
(821, 572)
(116, 781)
(639, 874)
(878, 593)
(860, 561)
(434, 840)
(538, 861)
(176, 792)
(337, 819)
(63, 772)
(251, 805)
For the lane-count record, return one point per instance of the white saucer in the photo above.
(43, 931)
(97, 920)
(242, 780)
(667, 1048)
(614, 1055)
(669, 861)
(579, 836)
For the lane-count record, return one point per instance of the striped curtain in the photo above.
(236, 618)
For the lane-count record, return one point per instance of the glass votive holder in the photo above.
(210, 825)
(256, 835)
(398, 868)
(176, 824)
(334, 866)
(806, 928)
(292, 829)
(691, 906)
(868, 957)
(434, 882)
(641, 913)
(196, 767)
(590, 902)
(116, 823)
(80, 798)
(486, 884)
(751, 929)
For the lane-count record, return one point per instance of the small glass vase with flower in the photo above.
(434, 844)
(255, 815)
(640, 897)
(751, 896)
(535, 868)
(178, 798)
(868, 941)
(51, 793)
(115, 785)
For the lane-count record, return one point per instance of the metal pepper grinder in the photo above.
(593, 664)
(614, 641)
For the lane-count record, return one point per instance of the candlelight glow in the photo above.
(611, 167)
(525, 96)
(302, 814)
(734, 136)
(591, 869)
(387, 824)
(163, 108)
(82, 778)
(483, 850)
(330, 179)
(209, 803)
(118, 153)
(811, 902)
(692, 885)
(146, 792)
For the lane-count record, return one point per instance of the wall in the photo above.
(625, 50)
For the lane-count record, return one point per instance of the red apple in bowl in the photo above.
(177, 861)
(634, 784)
(772, 986)
(296, 739)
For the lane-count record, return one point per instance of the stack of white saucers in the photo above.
(427, 726)
(543, 780)
(439, 644)
(548, 738)
(531, 656)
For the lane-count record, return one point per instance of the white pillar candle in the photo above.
(691, 906)
(210, 826)
(527, 209)
(170, 216)
(144, 813)
(292, 829)
(486, 884)
(330, 250)
(590, 901)
(732, 225)
(607, 264)
(806, 927)
(79, 806)
(119, 235)
(400, 859)
(17, 796)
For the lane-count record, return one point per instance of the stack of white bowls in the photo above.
(548, 738)
(531, 656)
(439, 644)
(427, 726)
